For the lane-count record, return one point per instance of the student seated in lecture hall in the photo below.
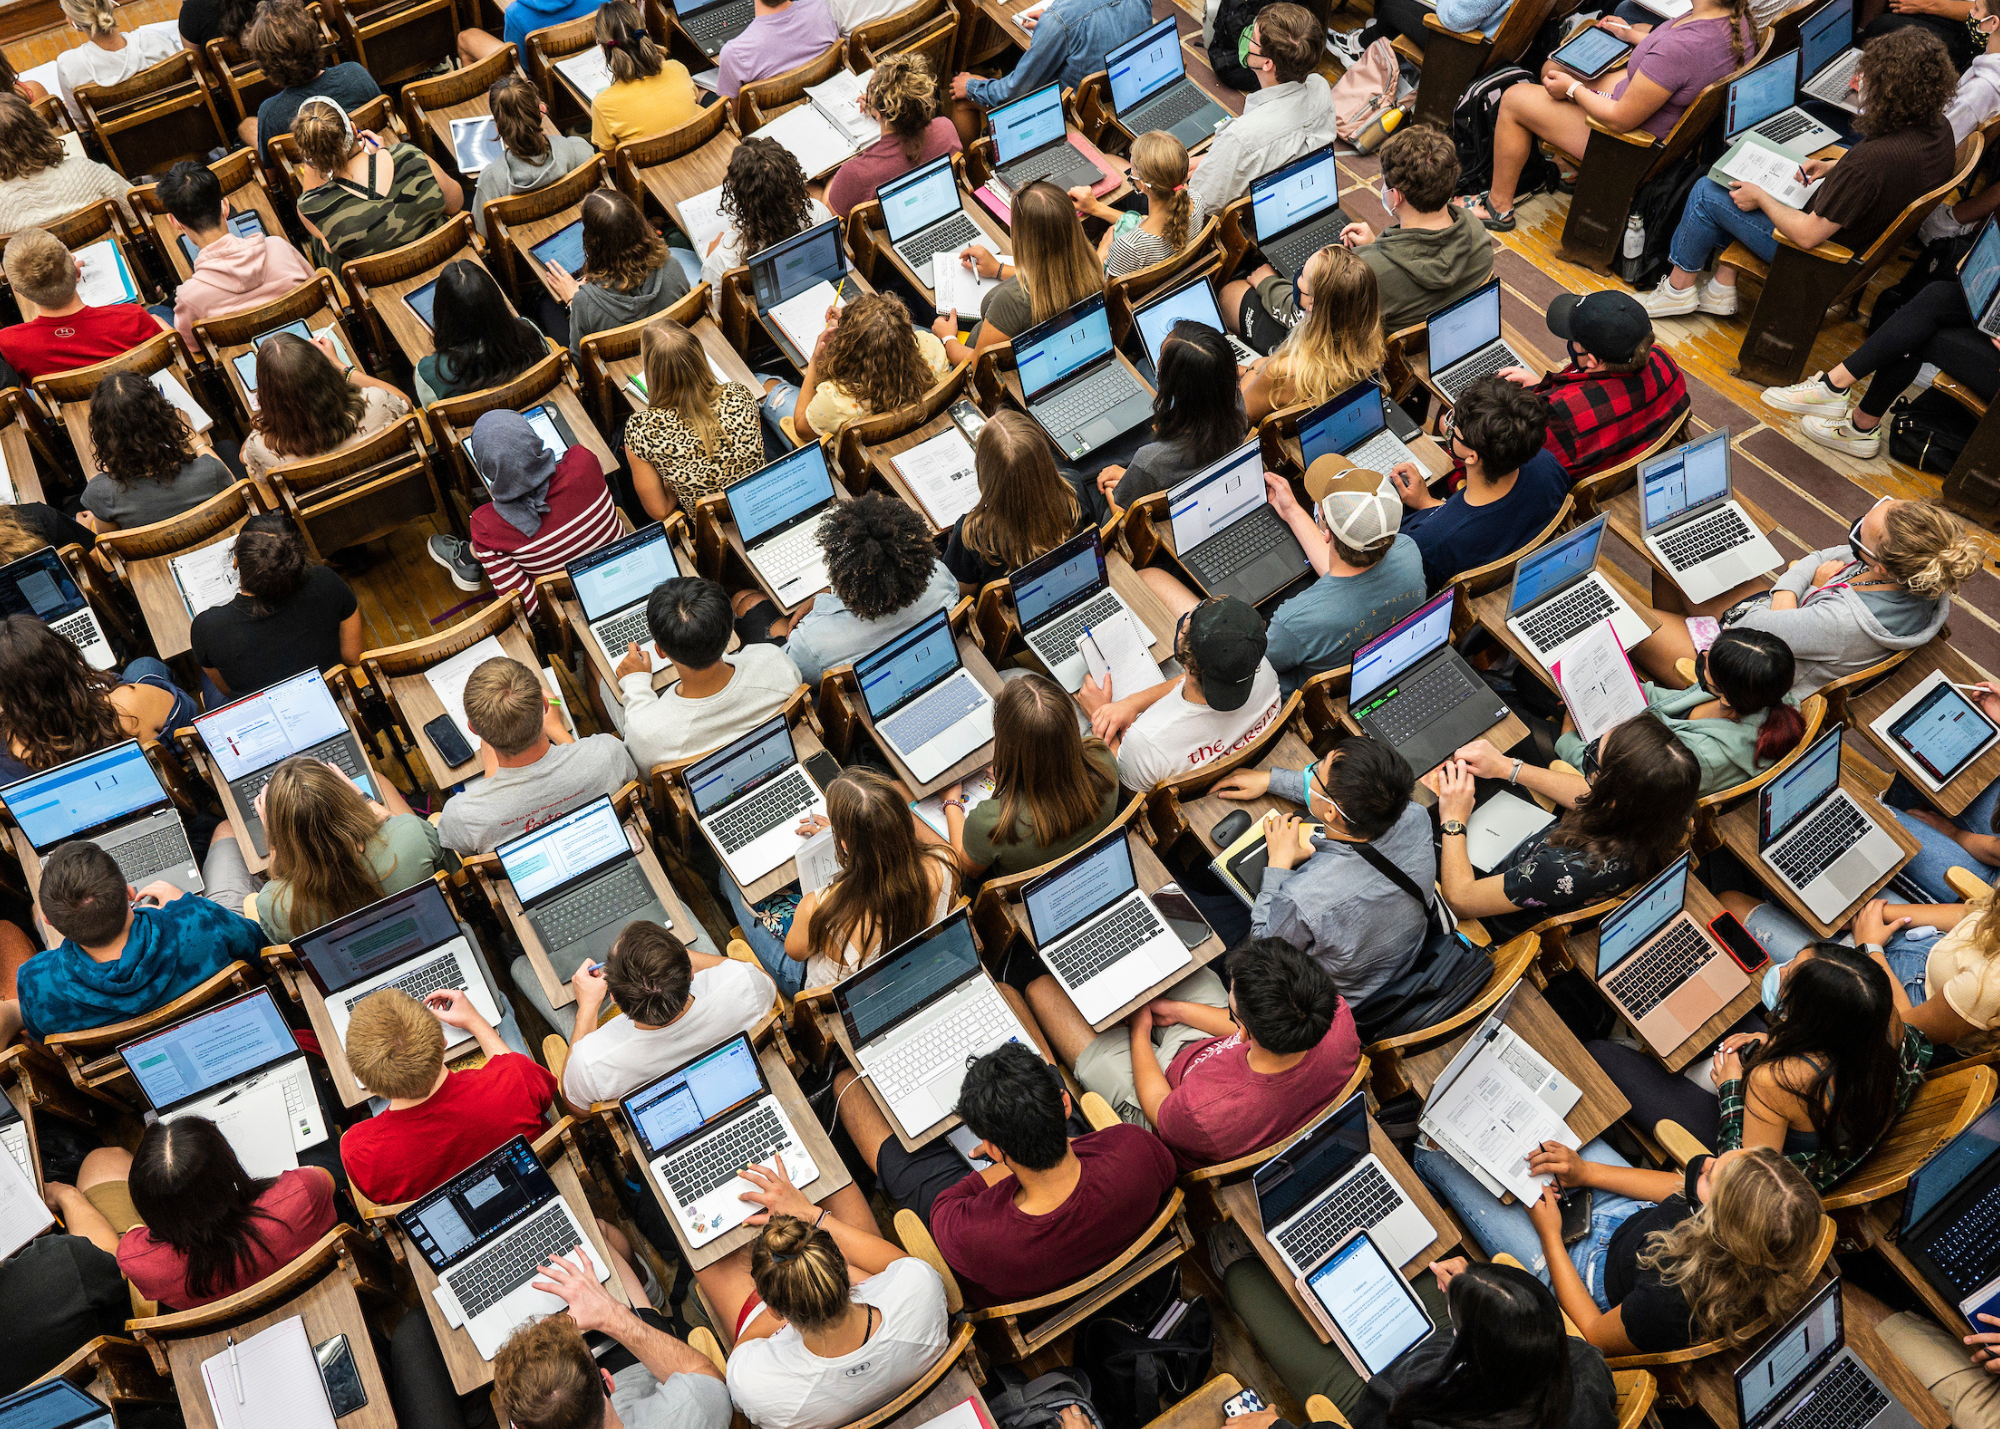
(44, 176)
(629, 272)
(869, 360)
(649, 94)
(1289, 114)
(68, 1275)
(902, 96)
(1133, 240)
(477, 340)
(1067, 41)
(58, 331)
(290, 614)
(151, 466)
(231, 273)
(1334, 339)
(1198, 417)
(1054, 269)
(54, 707)
(284, 40)
(312, 400)
(696, 434)
(364, 195)
(782, 35)
(531, 158)
(108, 55)
(1026, 507)
(1434, 252)
(1621, 391)
(764, 202)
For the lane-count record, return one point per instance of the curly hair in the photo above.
(873, 353)
(879, 557)
(284, 39)
(136, 431)
(1744, 1259)
(764, 194)
(903, 93)
(619, 246)
(1930, 550)
(27, 143)
(308, 406)
(1906, 81)
(53, 707)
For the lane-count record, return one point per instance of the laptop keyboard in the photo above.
(1235, 547)
(1831, 85)
(1651, 976)
(1787, 126)
(1363, 1201)
(1169, 109)
(1483, 365)
(1380, 452)
(621, 630)
(335, 751)
(946, 236)
(1084, 957)
(1289, 254)
(749, 820)
(1697, 541)
(1092, 397)
(785, 556)
(916, 725)
(79, 629)
(589, 908)
(1060, 638)
(15, 1139)
(716, 1159)
(512, 1261)
(144, 859)
(1567, 616)
(419, 983)
(1418, 702)
(1826, 836)
(1032, 168)
(295, 1096)
(902, 1071)
(711, 29)
(1964, 1250)
(1844, 1397)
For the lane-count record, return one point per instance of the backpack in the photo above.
(1472, 122)
(1018, 1402)
(1367, 90)
(1929, 431)
(1134, 1378)
(1658, 205)
(1445, 977)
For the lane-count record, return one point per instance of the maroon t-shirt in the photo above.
(298, 1209)
(884, 160)
(1220, 1109)
(45, 344)
(1000, 1253)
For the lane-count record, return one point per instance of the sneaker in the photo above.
(1843, 436)
(1811, 398)
(1717, 300)
(1667, 301)
(1347, 46)
(456, 557)
(1226, 1245)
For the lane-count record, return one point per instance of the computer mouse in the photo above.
(1230, 827)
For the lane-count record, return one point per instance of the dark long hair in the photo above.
(1752, 670)
(764, 194)
(1641, 806)
(52, 705)
(195, 1196)
(1830, 1034)
(1199, 402)
(136, 431)
(271, 561)
(307, 406)
(480, 344)
(1507, 1363)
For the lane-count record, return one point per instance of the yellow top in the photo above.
(643, 107)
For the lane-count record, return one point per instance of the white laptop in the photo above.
(700, 1125)
(1695, 526)
(115, 800)
(1193, 301)
(409, 941)
(613, 584)
(1465, 344)
(1817, 838)
(750, 796)
(776, 510)
(923, 700)
(1327, 1184)
(1099, 935)
(14, 1137)
(1828, 57)
(1059, 597)
(41, 585)
(1558, 596)
(249, 738)
(1355, 424)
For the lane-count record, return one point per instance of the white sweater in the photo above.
(58, 191)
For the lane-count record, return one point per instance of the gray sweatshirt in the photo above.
(594, 309)
(516, 175)
(1834, 632)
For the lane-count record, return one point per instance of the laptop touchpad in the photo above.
(1097, 431)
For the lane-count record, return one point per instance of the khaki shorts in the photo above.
(113, 1200)
(1105, 1066)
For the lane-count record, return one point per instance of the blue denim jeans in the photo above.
(1710, 220)
(1783, 936)
(148, 671)
(1937, 852)
(1503, 1229)
(788, 972)
(779, 403)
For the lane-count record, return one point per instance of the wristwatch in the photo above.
(1454, 826)
(1514, 774)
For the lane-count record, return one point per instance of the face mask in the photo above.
(1977, 25)
(1382, 191)
(1767, 990)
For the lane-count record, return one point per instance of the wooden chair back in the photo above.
(155, 354)
(1134, 530)
(454, 86)
(160, 115)
(1812, 709)
(851, 443)
(656, 149)
(401, 40)
(1206, 1179)
(839, 696)
(359, 492)
(672, 805)
(454, 416)
(211, 335)
(1944, 1105)
(1494, 574)
(98, 221)
(505, 214)
(762, 100)
(1200, 255)
(540, 52)
(1511, 961)
(90, 1055)
(874, 37)
(936, 41)
(614, 344)
(185, 532)
(433, 250)
(1837, 693)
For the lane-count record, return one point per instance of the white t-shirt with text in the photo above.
(1177, 735)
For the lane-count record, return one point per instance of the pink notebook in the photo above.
(999, 208)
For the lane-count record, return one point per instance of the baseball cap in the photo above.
(1607, 325)
(1334, 472)
(1361, 518)
(1227, 639)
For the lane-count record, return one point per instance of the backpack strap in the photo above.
(1381, 864)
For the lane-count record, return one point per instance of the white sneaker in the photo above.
(1346, 46)
(1717, 300)
(1667, 301)
(1843, 436)
(1812, 397)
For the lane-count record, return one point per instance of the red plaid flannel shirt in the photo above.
(1595, 419)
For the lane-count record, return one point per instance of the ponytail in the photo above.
(1780, 733)
(1161, 163)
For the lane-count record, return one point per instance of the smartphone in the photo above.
(1729, 931)
(343, 1380)
(1248, 1402)
(1184, 918)
(451, 745)
(963, 1141)
(824, 769)
(969, 418)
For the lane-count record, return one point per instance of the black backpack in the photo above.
(1018, 1402)
(1446, 976)
(1472, 123)
(1658, 205)
(1133, 1377)
(1929, 431)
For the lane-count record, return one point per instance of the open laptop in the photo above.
(1414, 692)
(1193, 300)
(1031, 144)
(1660, 967)
(1828, 56)
(714, 23)
(1559, 595)
(1060, 596)
(201, 1064)
(14, 1137)
(1328, 1183)
(54, 1404)
(701, 1124)
(1760, 103)
(919, 1015)
(1694, 524)
(925, 215)
(613, 585)
(1355, 424)
(1979, 276)
(923, 700)
(1073, 382)
(776, 510)
(1098, 933)
(1816, 837)
(1229, 536)
(1950, 1223)
(1806, 1377)
(749, 797)
(1465, 343)
(409, 941)
(486, 1233)
(41, 585)
(1296, 210)
(564, 248)
(115, 800)
(1150, 88)
(784, 270)
(580, 884)
(249, 738)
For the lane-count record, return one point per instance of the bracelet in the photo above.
(1514, 776)
(822, 1218)
(1570, 93)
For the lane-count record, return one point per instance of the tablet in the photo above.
(1367, 1305)
(422, 301)
(1942, 732)
(564, 249)
(1591, 52)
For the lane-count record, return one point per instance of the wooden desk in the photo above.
(1523, 345)
(251, 839)
(1623, 515)
(464, 1056)
(1738, 829)
(1238, 1200)
(690, 174)
(980, 669)
(1157, 621)
(159, 594)
(18, 453)
(76, 419)
(420, 705)
(981, 219)
(525, 236)
(882, 464)
(1931, 655)
(411, 333)
(473, 108)
(989, 27)
(954, 1388)
(807, 744)
(1532, 1018)
(1202, 814)
(250, 198)
(1490, 610)
(1010, 379)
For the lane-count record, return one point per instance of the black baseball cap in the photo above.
(1609, 326)
(1227, 639)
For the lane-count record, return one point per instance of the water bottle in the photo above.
(1635, 236)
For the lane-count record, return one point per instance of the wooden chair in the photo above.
(400, 40)
(90, 1056)
(363, 275)
(1944, 1105)
(361, 491)
(995, 927)
(850, 444)
(614, 344)
(117, 552)
(162, 114)
(1838, 693)
(57, 390)
(1801, 284)
(1199, 255)
(1205, 1181)
(1511, 961)
(503, 215)
(867, 41)
(936, 41)
(1592, 489)
(839, 696)
(421, 97)
(763, 100)
(1452, 59)
(319, 293)
(117, 1371)
(632, 158)
(1494, 574)
(1324, 726)
(454, 416)
(243, 80)
(384, 666)
(543, 48)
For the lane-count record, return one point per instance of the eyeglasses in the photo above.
(1313, 776)
(1854, 541)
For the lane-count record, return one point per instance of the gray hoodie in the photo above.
(1420, 270)
(516, 175)
(594, 309)
(1835, 632)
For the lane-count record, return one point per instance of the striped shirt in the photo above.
(580, 518)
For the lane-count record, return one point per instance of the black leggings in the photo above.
(1934, 326)
(1657, 1094)
(1398, 17)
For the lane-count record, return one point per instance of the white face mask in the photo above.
(1382, 191)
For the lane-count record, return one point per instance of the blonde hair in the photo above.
(504, 704)
(17, 538)
(40, 268)
(320, 828)
(93, 17)
(1161, 163)
(903, 92)
(395, 1046)
(1982, 930)
(1057, 266)
(324, 134)
(800, 1273)
(1025, 508)
(678, 379)
(1339, 342)
(1928, 549)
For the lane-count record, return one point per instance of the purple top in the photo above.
(1684, 57)
(804, 30)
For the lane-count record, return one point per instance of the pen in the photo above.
(1969, 689)
(235, 1367)
(1091, 636)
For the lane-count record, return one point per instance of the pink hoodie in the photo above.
(232, 274)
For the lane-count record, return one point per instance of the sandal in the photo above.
(1495, 223)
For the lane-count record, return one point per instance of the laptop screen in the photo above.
(788, 488)
(1824, 35)
(624, 573)
(209, 1049)
(761, 755)
(1053, 582)
(1399, 647)
(57, 1404)
(1784, 801)
(477, 1204)
(1642, 915)
(1377, 1312)
(1463, 328)
(1192, 301)
(270, 726)
(1951, 1166)
(1080, 888)
(1063, 345)
(895, 985)
(919, 198)
(683, 1102)
(555, 853)
(39, 585)
(900, 669)
(1342, 423)
(1942, 731)
(1761, 93)
(1298, 193)
(1292, 1178)
(1028, 123)
(87, 793)
(1548, 570)
(564, 249)
(784, 270)
(1217, 497)
(376, 938)
(1685, 478)
(1145, 66)
(1979, 275)
(1789, 1358)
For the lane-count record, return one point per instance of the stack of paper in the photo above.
(104, 279)
(447, 681)
(1597, 682)
(839, 98)
(978, 789)
(941, 475)
(819, 862)
(701, 218)
(1497, 1101)
(819, 144)
(22, 1214)
(170, 388)
(959, 289)
(803, 318)
(1756, 160)
(206, 577)
(588, 70)
(1116, 651)
(269, 1381)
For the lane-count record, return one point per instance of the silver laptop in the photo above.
(750, 796)
(919, 1015)
(1760, 103)
(1098, 933)
(1073, 382)
(41, 585)
(1806, 1377)
(1660, 967)
(1465, 345)
(1817, 838)
(1150, 89)
(1192, 301)
(776, 510)
(14, 1137)
(925, 215)
(115, 800)
(1559, 595)
(1828, 57)
(249, 738)
(409, 941)
(1228, 535)
(613, 584)
(1327, 1184)
(1695, 526)
(1058, 597)
(700, 1125)
(580, 884)
(923, 700)
(1355, 425)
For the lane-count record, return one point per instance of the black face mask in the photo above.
(1701, 672)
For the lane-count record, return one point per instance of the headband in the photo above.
(346, 123)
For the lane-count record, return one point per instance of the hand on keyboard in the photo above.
(634, 663)
(1408, 479)
(1356, 235)
(1484, 760)
(1519, 376)
(590, 1304)
(776, 1193)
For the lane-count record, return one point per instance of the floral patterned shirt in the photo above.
(1823, 1166)
(1558, 879)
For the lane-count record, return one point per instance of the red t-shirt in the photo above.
(1219, 1109)
(1000, 1253)
(298, 1211)
(76, 339)
(399, 1155)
